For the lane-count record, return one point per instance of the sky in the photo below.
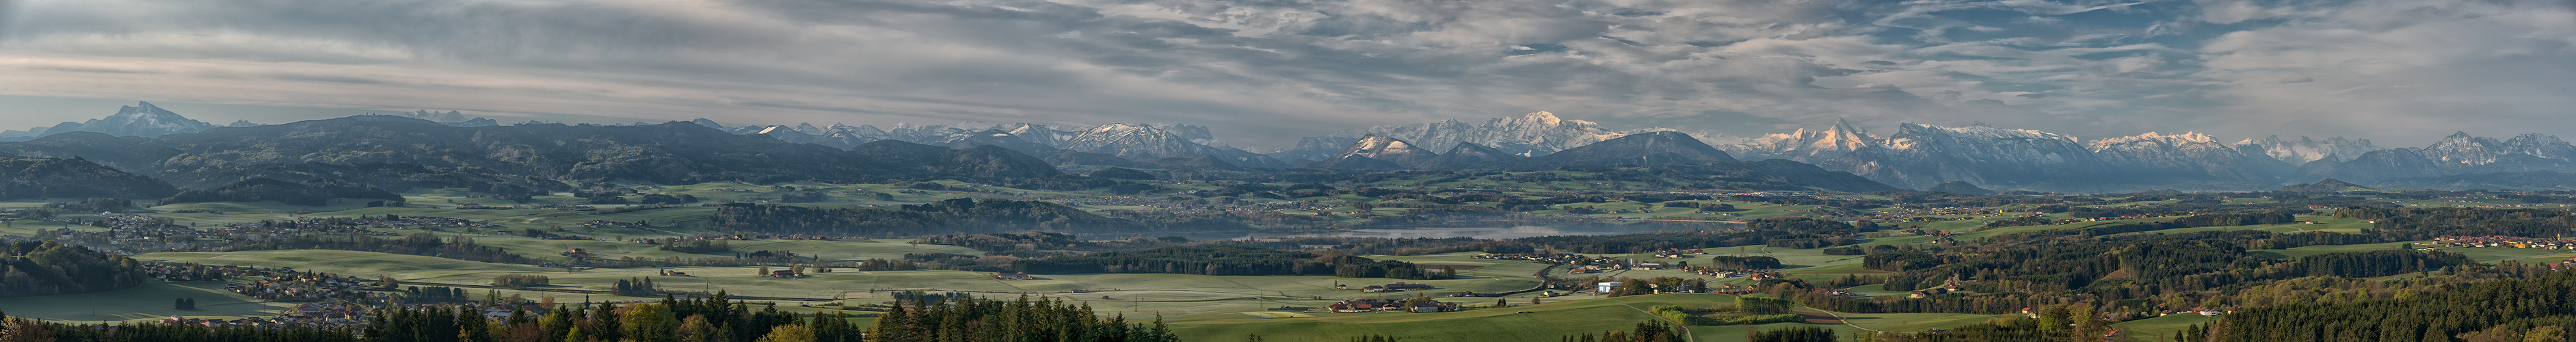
(1264, 72)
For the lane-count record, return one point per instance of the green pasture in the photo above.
(2160, 328)
(150, 302)
(2481, 254)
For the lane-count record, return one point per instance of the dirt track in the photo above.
(1819, 318)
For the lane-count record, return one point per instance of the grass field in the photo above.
(1541, 322)
(826, 249)
(2481, 254)
(2160, 328)
(1171, 295)
(149, 302)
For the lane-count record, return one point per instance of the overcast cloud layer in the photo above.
(1264, 72)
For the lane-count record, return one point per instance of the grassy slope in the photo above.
(2481, 254)
(2159, 328)
(152, 301)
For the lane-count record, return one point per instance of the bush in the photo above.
(517, 281)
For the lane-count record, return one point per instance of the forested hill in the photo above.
(52, 268)
(30, 177)
(2537, 309)
(311, 193)
(951, 216)
(391, 176)
(672, 153)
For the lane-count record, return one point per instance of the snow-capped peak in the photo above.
(2174, 139)
(1805, 145)
(142, 120)
(1544, 118)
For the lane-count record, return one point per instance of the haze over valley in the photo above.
(1332, 170)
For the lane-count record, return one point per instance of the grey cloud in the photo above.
(1258, 71)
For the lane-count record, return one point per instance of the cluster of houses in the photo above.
(1677, 253)
(344, 316)
(2504, 241)
(1598, 268)
(563, 207)
(300, 287)
(735, 237)
(245, 322)
(132, 229)
(610, 224)
(1553, 258)
(1724, 273)
(1372, 305)
(1008, 275)
(2203, 311)
(187, 272)
(1929, 214)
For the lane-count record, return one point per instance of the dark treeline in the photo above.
(2138, 273)
(318, 191)
(398, 177)
(423, 244)
(52, 268)
(2374, 263)
(1226, 260)
(2426, 223)
(1739, 262)
(1393, 246)
(696, 246)
(1652, 331)
(960, 215)
(2197, 221)
(2536, 309)
(22, 329)
(971, 319)
(1797, 232)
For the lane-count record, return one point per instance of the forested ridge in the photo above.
(708, 319)
(53, 268)
(314, 192)
(2537, 309)
(961, 215)
(2134, 274)
(423, 244)
(29, 177)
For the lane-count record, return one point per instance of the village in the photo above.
(2504, 242)
(327, 300)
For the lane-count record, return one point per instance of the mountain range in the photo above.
(397, 151)
(1132, 142)
(150, 141)
(141, 119)
(1535, 134)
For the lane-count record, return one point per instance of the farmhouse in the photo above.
(1363, 305)
(1008, 275)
